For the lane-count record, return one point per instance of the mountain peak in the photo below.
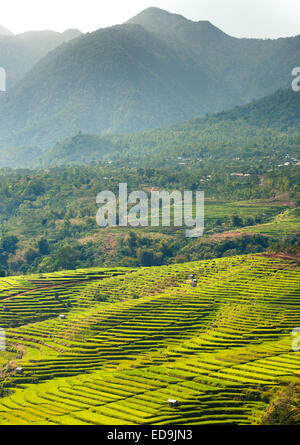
(71, 33)
(153, 14)
(161, 21)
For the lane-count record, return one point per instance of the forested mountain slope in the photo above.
(157, 69)
(265, 128)
(19, 53)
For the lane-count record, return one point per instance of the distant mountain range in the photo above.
(19, 53)
(4, 31)
(253, 130)
(267, 126)
(155, 70)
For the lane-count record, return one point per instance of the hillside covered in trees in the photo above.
(265, 132)
(19, 53)
(157, 69)
(48, 217)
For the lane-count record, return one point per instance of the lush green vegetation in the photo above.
(222, 349)
(245, 161)
(26, 300)
(255, 137)
(48, 217)
(103, 326)
(156, 70)
(19, 53)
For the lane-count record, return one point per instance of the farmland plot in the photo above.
(135, 338)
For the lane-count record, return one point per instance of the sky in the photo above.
(239, 18)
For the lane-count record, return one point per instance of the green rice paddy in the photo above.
(132, 339)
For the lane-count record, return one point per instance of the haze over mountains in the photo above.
(19, 53)
(253, 130)
(262, 128)
(4, 31)
(155, 70)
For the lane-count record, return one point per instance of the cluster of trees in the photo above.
(48, 216)
(215, 138)
(289, 244)
(140, 250)
(8, 246)
(284, 180)
(204, 249)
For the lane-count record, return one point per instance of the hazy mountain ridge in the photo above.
(95, 81)
(19, 53)
(4, 31)
(165, 23)
(155, 70)
(254, 130)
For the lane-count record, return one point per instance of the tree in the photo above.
(43, 246)
(148, 257)
(30, 255)
(236, 221)
(47, 265)
(67, 257)
(145, 257)
(9, 243)
(131, 240)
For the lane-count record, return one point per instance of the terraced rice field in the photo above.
(132, 339)
(34, 297)
(216, 210)
(286, 223)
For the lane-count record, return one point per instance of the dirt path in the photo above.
(228, 235)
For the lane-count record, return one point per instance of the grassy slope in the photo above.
(285, 224)
(222, 349)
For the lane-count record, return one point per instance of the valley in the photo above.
(115, 324)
